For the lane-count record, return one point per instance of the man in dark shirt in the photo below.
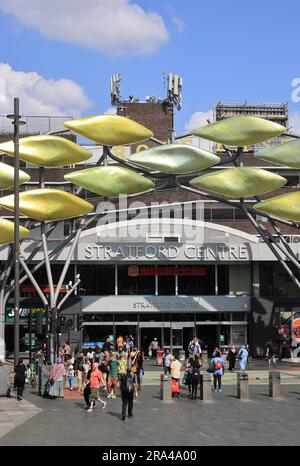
(19, 378)
(127, 389)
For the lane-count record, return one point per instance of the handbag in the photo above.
(52, 381)
(210, 370)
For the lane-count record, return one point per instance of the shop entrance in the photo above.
(147, 336)
(208, 336)
(128, 330)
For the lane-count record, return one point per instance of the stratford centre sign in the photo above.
(152, 252)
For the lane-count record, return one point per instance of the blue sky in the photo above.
(225, 50)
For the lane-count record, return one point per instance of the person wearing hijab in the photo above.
(56, 378)
(242, 357)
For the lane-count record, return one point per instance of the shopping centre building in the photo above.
(193, 267)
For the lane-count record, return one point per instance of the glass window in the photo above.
(97, 333)
(97, 279)
(151, 316)
(198, 284)
(213, 316)
(223, 279)
(129, 283)
(183, 317)
(239, 333)
(103, 317)
(126, 317)
(166, 286)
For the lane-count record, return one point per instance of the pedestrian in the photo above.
(153, 347)
(120, 341)
(71, 375)
(217, 364)
(231, 358)
(104, 368)
(122, 368)
(127, 390)
(140, 369)
(20, 375)
(187, 377)
(79, 371)
(175, 372)
(67, 351)
(243, 356)
(195, 377)
(96, 378)
(56, 378)
(167, 361)
(107, 346)
(90, 354)
(113, 365)
(270, 353)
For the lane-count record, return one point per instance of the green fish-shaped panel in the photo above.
(175, 159)
(240, 131)
(286, 206)
(48, 151)
(239, 182)
(287, 153)
(7, 176)
(109, 130)
(48, 204)
(110, 181)
(7, 231)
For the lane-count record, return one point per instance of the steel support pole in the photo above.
(16, 233)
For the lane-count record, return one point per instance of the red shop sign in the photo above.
(182, 270)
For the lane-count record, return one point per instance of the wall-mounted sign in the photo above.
(181, 270)
(24, 313)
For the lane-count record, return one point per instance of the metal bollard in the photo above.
(242, 386)
(205, 387)
(165, 388)
(274, 384)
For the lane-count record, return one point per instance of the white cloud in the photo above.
(200, 119)
(111, 111)
(115, 27)
(40, 96)
(179, 24)
(294, 122)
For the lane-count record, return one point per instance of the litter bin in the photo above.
(159, 357)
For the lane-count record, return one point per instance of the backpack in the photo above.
(195, 374)
(217, 365)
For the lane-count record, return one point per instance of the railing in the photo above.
(35, 124)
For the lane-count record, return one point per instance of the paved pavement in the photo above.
(14, 413)
(226, 421)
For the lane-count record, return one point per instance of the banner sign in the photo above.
(24, 313)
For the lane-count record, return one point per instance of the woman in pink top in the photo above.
(56, 378)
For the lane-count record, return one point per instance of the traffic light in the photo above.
(61, 324)
(38, 323)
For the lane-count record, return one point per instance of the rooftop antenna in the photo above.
(115, 93)
(175, 83)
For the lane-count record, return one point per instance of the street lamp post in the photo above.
(16, 122)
